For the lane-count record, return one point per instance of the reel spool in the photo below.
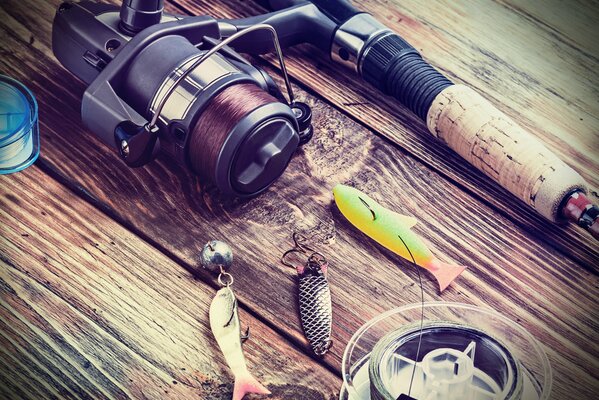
(458, 352)
(203, 105)
(218, 119)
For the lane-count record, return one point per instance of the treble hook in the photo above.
(322, 349)
(298, 245)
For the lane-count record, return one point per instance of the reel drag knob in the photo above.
(264, 155)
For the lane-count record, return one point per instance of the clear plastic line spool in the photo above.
(466, 353)
(19, 130)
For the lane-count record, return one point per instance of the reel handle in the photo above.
(137, 145)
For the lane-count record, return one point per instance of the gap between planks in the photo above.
(67, 215)
(572, 236)
(204, 277)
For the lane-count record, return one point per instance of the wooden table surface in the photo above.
(100, 292)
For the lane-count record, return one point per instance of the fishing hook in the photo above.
(299, 247)
(298, 244)
(245, 337)
(322, 350)
(290, 251)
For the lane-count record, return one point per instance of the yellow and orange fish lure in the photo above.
(393, 231)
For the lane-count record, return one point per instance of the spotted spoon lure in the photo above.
(315, 307)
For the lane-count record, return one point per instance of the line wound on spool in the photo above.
(214, 50)
(221, 115)
(238, 135)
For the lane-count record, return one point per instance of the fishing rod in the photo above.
(454, 113)
(138, 63)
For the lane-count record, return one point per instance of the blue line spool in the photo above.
(19, 128)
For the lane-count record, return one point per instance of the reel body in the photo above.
(160, 75)
(99, 43)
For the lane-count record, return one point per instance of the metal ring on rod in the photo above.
(215, 49)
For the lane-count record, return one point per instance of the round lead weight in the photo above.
(19, 131)
(216, 254)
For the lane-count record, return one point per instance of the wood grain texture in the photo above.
(89, 310)
(496, 145)
(552, 291)
(532, 74)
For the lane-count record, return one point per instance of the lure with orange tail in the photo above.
(224, 322)
(393, 231)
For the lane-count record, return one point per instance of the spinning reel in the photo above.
(170, 82)
(162, 83)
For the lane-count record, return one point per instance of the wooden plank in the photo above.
(88, 310)
(573, 22)
(540, 81)
(177, 213)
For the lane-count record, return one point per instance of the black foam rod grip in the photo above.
(393, 66)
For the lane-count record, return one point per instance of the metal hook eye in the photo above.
(369, 209)
(317, 258)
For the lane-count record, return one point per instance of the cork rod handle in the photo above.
(496, 145)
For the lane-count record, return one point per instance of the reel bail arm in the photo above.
(243, 34)
(105, 112)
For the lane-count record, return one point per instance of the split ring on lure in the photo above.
(392, 231)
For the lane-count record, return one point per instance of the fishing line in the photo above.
(421, 297)
(214, 126)
(421, 316)
(13, 149)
